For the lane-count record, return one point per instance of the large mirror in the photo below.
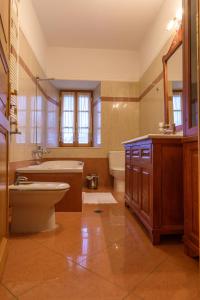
(173, 83)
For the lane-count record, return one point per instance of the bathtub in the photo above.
(57, 166)
(68, 171)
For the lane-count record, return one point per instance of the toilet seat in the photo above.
(40, 186)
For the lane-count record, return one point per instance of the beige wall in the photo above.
(21, 146)
(157, 35)
(92, 64)
(152, 104)
(119, 122)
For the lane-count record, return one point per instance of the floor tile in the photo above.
(80, 284)
(5, 294)
(170, 281)
(125, 263)
(26, 269)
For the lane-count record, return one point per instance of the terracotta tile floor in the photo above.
(92, 256)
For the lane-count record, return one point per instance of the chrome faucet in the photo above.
(20, 179)
(39, 152)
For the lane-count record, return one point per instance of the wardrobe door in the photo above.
(4, 125)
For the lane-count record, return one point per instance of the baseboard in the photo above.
(3, 254)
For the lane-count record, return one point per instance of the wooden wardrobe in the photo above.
(190, 142)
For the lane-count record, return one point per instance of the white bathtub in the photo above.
(57, 166)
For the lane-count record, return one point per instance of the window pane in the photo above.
(68, 102)
(52, 137)
(83, 135)
(21, 138)
(51, 119)
(39, 135)
(39, 103)
(39, 118)
(177, 118)
(68, 119)
(177, 102)
(83, 119)
(33, 135)
(67, 135)
(83, 103)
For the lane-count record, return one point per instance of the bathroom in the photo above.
(135, 235)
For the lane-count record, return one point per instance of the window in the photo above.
(76, 116)
(177, 107)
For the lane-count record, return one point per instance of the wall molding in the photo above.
(151, 86)
(32, 77)
(119, 99)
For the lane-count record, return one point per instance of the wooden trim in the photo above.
(3, 254)
(188, 130)
(176, 43)
(151, 86)
(119, 99)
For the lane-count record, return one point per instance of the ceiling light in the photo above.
(176, 21)
(179, 14)
(170, 24)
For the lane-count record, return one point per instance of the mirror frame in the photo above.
(176, 43)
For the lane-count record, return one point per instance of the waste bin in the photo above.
(92, 181)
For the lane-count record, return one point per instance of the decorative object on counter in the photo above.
(167, 128)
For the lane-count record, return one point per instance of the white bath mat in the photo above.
(98, 198)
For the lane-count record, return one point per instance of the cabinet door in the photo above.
(190, 90)
(191, 227)
(128, 184)
(145, 199)
(136, 187)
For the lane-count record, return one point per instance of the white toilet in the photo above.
(117, 169)
(33, 205)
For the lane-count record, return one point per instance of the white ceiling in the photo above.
(75, 84)
(100, 24)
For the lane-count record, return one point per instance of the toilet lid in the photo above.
(40, 186)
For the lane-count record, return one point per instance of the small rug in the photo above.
(98, 198)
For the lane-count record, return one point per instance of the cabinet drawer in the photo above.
(135, 153)
(146, 153)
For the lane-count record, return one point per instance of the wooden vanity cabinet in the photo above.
(153, 189)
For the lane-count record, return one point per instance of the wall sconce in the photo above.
(175, 23)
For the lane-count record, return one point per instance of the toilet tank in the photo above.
(116, 160)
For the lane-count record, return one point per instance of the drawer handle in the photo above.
(136, 153)
(146, 153)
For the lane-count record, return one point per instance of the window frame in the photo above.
(75, 142)
(174, 93)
